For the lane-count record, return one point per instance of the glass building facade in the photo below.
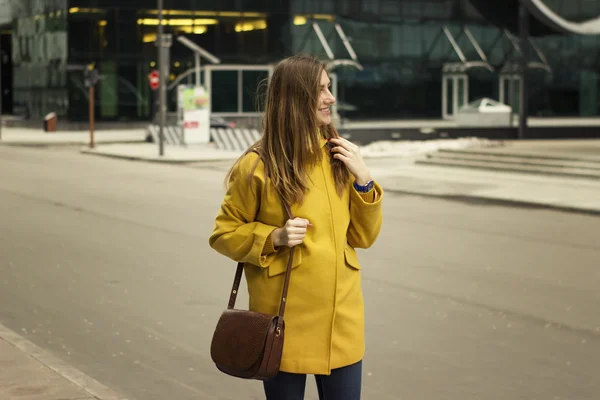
(403, 46)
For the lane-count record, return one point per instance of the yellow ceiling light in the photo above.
(299, 20)
(178, 21)
(327, 17)
(303, 19)
(205, 21)
(75, 10)
(196, 30)
(236, 14)
(152, 21)
(149, 38)
(251, 25)
(184, 29)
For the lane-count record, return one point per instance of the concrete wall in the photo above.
(5, 12)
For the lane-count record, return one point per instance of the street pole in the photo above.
(197, 59)
(163, 83)
(90, 79)
(1, 93)
(524, 39)
(91, 116)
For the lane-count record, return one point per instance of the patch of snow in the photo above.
(419, 147)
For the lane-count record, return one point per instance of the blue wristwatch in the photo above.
(364, 189)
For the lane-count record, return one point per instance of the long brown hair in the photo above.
(290, 143)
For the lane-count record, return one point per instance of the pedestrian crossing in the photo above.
(173, 134)
(234, 139)
(225, 138)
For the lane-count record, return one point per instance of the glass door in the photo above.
(455, 94)
(510, 91)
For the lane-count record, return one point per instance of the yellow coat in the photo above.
(324, 315)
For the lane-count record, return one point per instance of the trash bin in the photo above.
(50, 122)
(484, 112)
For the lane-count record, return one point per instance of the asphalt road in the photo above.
(106, 264)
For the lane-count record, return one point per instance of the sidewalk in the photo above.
(393, 164)
(518, 188)
(569, 194)
(29, 373)
(37, 137)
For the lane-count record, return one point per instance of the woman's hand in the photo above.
(292, 233)
(349, 154)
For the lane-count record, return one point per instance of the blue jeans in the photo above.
(343, 384)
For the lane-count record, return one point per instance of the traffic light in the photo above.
(91, 75)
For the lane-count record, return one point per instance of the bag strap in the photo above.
(240, 270)
(288, 270)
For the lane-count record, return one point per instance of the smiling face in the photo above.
(326, 100)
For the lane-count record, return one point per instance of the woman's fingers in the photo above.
(343, 158)
(350, 155)
(346, 144)
(295, 231)
(342, 151)
(298, 222)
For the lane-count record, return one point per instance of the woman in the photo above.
(337, 208)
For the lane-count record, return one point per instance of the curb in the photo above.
(85, 382)
(63, 144)
(154, 160)
(508, 154)
(482, 167)
(472, 199)
(134, 158)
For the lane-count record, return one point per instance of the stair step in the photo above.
(505, 153)
(504, 167)
(515, 160)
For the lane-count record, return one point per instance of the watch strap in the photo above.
(364, 189)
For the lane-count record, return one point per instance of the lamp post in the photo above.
(164, 43)
(524, 38)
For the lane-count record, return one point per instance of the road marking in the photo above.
(87, 383)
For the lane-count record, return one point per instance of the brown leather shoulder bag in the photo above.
(248, 344)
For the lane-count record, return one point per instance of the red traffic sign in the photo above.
(154, 80)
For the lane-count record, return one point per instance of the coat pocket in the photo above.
(351, 258)
(279, 265)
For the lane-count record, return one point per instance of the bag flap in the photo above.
(239, 339)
